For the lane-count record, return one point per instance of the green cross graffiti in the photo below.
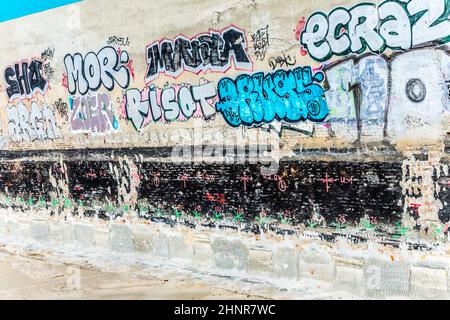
(67, 203)
(197, 215)
(158, 212)
(436, 230)
(110, 208)
(217, 216)
(42, 202)
(178, 213)
(367, 224)
(238, 217)
(30, 202)
(284, 221)
(312, 224)
(261, 221)
(55, 203)
(143, 209)
(402, 231)
(339, 226)
(126, 208)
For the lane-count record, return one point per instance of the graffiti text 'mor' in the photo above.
(89, 73)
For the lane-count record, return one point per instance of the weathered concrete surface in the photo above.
(362, 271)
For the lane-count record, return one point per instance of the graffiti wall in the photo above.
(327, 117)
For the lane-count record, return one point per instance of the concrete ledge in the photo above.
(84, 235)
(285, 263)
(203, 252)
(57, 234)
(377, 275)
(386, 278)
(230, 253)
(121, 238)
(350, 279)
(179, 248)
(101, 237)
(160, 243)
(317, 263)
(427, 283)
(39, 230)
(142, 238)
(259, 261)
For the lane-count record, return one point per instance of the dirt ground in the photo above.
(31, 274)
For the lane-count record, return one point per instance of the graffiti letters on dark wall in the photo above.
(27, 125)
(291, 96)
(25, 79)
(367, 26)
(174, 103)
(92, 114)
(213, 51)
(107, 67)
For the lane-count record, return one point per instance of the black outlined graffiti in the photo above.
(48, 54)
(118, 41)
(95, 69)
(62, 108)
(209, 51)
(25, 79)
(283, 61)
(261, 42)
(48, 71)
(448, 87)
(416, 90)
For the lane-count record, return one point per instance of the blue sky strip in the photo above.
(12, 9)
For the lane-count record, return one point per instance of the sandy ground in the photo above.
(33, 274)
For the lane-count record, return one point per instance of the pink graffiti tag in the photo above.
(328, 181)
(184, 177)
(298, 30)
(245, 179)
(156, 179)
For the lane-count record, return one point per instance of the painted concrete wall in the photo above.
(293, 117)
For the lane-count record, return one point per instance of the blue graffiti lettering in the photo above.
(292, 96)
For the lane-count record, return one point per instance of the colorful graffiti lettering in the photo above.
(92, 114)
(292, 96)
(392, 24)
